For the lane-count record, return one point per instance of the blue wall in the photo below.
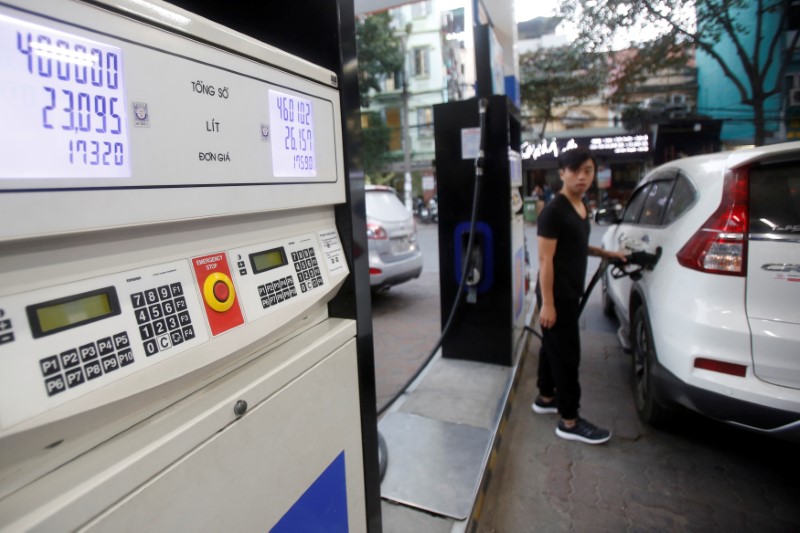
(717, 95)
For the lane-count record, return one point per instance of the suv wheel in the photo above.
(644, 361)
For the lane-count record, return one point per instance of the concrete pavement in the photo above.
(696, 476)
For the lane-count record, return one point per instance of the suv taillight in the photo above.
(720, 245)
(376, 231)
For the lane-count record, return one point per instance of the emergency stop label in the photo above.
(219, 295)
(332, 250)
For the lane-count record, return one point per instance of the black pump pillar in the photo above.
(490, 320)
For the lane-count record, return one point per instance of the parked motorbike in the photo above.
(427, 213)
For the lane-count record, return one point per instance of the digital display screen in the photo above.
(292, 133)
(65, 313)
(263, 261)
(63, 105)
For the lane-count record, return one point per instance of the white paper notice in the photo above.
(470, 143)
(332, 249)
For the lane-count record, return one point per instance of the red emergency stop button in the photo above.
(221, 291)
(220, 302)
(218, 292)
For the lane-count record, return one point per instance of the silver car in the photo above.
(394, 254)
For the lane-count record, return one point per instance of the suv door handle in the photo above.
(646, 239)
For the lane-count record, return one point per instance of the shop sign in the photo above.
(612, 144)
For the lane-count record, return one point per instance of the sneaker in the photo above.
(541, 407)
(583, 431)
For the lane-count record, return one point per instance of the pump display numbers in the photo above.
(292, 132)
(63, 104)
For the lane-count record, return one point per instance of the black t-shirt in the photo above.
(559, 220)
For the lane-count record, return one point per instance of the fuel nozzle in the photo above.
(474, 274)
(473, 279)
(637, 262)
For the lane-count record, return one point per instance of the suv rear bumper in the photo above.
(394, 273)
(751, 416)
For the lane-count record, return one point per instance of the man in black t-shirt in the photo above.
(563, 236)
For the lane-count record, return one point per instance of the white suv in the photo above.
(714, 325)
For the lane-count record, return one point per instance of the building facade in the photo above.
(624, 151)
(718, 95)
(437, 69)
(791, 97)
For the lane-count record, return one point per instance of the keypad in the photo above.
(277, 291)
(307, 269)
(163, 318)
(80, 364)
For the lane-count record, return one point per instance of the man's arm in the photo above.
(547, 251)
(606, 254)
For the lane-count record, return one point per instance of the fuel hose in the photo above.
(383, 455)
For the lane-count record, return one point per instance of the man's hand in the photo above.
(547, 316)
(619, 254)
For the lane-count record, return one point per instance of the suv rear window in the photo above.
(775, 199)
(384, 205)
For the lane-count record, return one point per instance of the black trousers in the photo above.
(559, 359)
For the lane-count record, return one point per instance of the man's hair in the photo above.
(573, 159)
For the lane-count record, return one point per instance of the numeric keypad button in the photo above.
(121, 340)
(188, 333)
(105, 346)
(93, 370)
(150, 347)
(156, 312)
(110, 363)
(74, 377)
(88, 352)
(138, 300)
(159, 327)
(50, 365)
(176, 337)
(146, 332)
(142, 316)
(176, 289)
(69, 359)
(172, 322)
(55, 385)
(125, 357)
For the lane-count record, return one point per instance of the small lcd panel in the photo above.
(267, 260)
(293, 144)
(72, 311)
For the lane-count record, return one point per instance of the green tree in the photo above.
(702, 24)
(634, 66)
(554, 77)
(379, 55)
(375, 148)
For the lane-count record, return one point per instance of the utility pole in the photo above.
(406, 130)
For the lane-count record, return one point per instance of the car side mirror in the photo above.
(607, 216)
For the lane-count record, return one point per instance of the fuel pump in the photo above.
(167, 359)
(490, 323)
